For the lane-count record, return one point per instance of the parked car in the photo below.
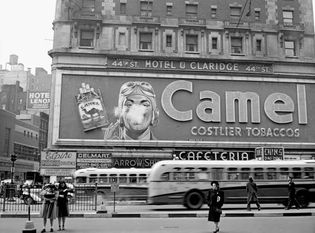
(31, 196)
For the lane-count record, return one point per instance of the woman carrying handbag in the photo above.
(215, 201)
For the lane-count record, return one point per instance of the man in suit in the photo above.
(292, 197)
(251, 189)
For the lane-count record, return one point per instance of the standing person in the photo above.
(49, 194)
(251, 189)
(292, 198)
(215, 202)
(62, 204)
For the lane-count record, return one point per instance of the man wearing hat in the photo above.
(137, 113)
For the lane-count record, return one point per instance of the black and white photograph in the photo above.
(160, 116)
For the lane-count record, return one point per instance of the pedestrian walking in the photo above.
(62, 204)
(292, 197)
(48, 211)
(215, 200)
(252, 196)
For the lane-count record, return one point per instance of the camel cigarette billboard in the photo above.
(186, 110)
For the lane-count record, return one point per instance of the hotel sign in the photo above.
(195, 66)
(38, 100)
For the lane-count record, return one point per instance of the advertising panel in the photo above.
(136, 162)
(38, 100)
(213, 155)
(57, 163)
(97, 160)
(189, 110)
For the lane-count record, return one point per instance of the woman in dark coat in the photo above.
(215, 201)
(62, 204)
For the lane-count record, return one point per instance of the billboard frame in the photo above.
(56, 103)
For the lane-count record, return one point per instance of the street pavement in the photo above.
(170, 225)
(137, 210)
(141, 218)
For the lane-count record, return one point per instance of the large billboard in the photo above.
(187, 110)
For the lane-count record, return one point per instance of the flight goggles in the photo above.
(129, 87)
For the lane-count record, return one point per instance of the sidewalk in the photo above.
(170, 212)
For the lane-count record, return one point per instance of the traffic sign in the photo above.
(114, 187)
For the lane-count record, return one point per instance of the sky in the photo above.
(26, 30)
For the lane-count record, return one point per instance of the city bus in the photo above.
(130, 183)
(187, 182)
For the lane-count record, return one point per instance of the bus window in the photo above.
(271, 173)
(190, 176)
(81, 180)
(308, 173)
(202, 176)
(203, 169)
(258, 173)
(245, 173)
(122, 178)
(284, 173)
(103, 178)
(133, 178)
(165, 176)
(113, 178)
(142, 178)
(93, 178)
(296, 172)
(178, 176)
(232, 173)
(217, 173)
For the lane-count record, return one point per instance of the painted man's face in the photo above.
(137, 113)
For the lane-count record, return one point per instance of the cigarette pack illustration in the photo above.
(91, 108)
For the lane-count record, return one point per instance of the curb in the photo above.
(164, 215)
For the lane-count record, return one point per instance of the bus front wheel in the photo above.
(193, 200)
(302, 198)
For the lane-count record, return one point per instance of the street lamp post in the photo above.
(13, 159)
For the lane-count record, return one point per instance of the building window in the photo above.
(191, 11)
(258, 45)
(289, 48)
(213, 12)
(145, 41)
(257, 15)
(87, 38)
(169, 10)
(88, 6)
(287, 17)
(192, 43)
(168, 41)
(214, 43)
(236, 45)
(122, 8)
(146, 8)
(122, 38)
(235, 13)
